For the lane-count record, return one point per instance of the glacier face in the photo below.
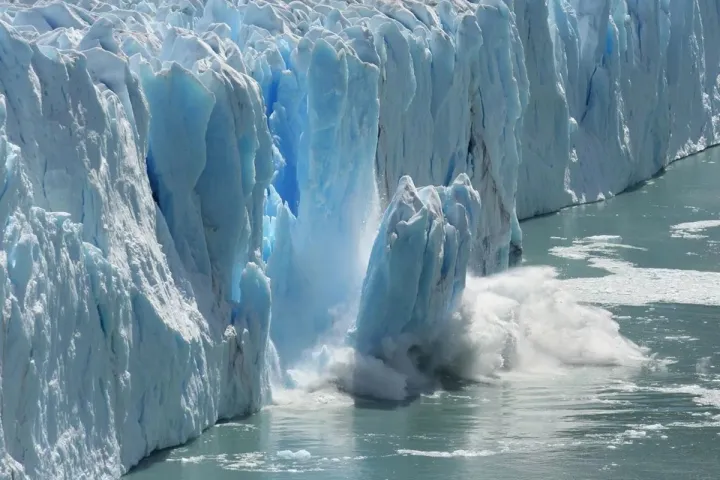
(618, 89)
(120, 333)
(176, 174)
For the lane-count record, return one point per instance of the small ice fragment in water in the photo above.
(290, 455)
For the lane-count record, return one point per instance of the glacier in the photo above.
(197, 194)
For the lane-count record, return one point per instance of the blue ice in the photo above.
(197, 196)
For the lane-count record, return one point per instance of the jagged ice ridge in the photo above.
(174, 175)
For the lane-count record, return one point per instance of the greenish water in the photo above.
(633, 255)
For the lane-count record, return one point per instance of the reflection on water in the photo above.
(650, 256)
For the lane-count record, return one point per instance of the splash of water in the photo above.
(522, 320)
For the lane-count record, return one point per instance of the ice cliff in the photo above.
(181, 181)
(618, 89)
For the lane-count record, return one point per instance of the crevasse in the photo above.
(182, 182)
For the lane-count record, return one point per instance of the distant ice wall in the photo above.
(177, 173)
(618, 89)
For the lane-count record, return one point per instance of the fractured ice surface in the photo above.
(120, 331)
(417, 268)
(181, 181)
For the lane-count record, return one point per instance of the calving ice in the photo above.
(192, 194)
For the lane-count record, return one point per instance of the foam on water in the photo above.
(643, 286)
(589, 248)
(282, 461)
(693, 229)
(453, 454)
(521, 321)
(627, 284)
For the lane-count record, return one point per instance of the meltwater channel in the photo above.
(651, 256)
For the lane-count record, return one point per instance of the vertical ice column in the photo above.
(9, 154)
(180, 106)
(546, 122)
(209, 162)
(710, 17)
(417, 270)
(690, 117)
(318, 260)
(500, 86)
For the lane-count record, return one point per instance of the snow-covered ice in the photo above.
(182, 181)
